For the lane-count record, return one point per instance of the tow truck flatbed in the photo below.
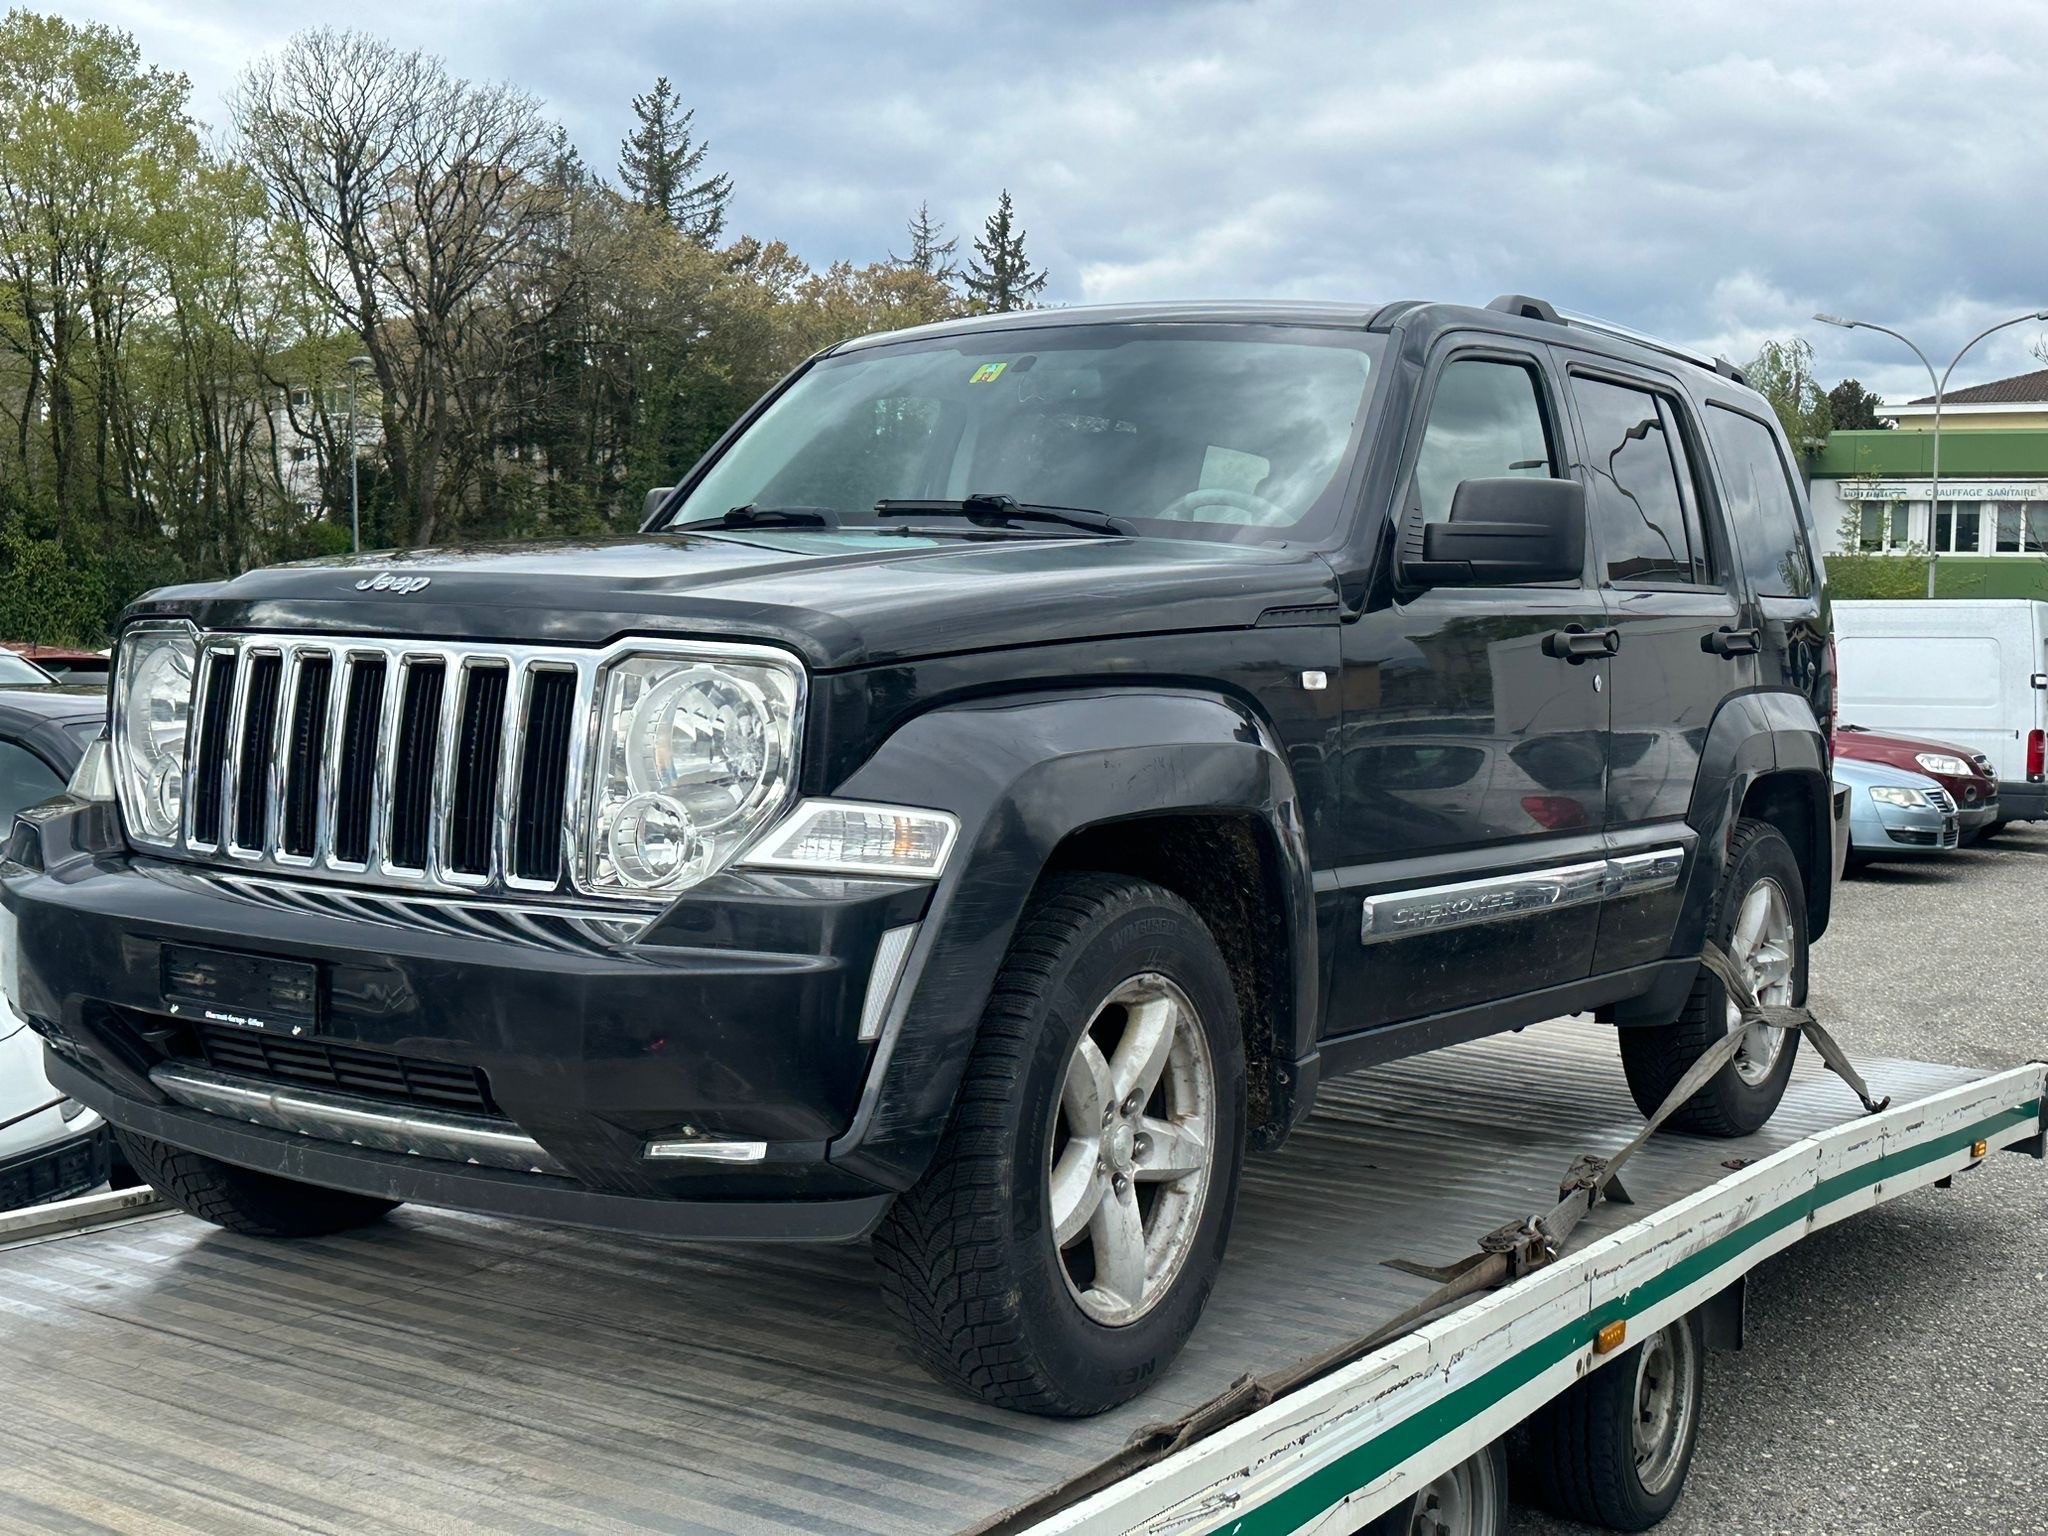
(449, 1373)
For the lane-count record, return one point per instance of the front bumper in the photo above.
(729, 1022)
(1896, 829)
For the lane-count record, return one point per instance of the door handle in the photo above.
(1731, 642)
(1575, 643)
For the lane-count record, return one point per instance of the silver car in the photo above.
(1896, 814)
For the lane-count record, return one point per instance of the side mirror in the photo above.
(1509, 532)
(654, 500)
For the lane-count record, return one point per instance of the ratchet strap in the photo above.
(1504, 1254)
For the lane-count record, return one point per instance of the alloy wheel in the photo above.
(1133, 1143)
(1762, 946)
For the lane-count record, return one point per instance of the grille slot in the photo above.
(412, 773)
(308, 741)
(478, 749)
(255, 749)
(394, 763)
(543, 775)
(210, 755)
(346, 1068)
(356, 773)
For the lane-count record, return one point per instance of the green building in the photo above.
(1870, 490)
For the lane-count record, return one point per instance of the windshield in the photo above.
(15, 671)
(1225, 431)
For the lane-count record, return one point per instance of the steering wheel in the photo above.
(1202, 505)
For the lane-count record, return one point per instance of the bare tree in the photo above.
(414, 189)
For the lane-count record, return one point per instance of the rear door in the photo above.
(1473, 764)
(1672, 590)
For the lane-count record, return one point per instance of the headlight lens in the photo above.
(1894, 794)
(152, 721)
(696, 755)
(1941, 762)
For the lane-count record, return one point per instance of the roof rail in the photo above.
(1527, 308)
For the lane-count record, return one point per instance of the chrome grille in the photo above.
(397, 763)
(1939, 798)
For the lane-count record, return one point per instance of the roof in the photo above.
(1267, 311)
(2020, 389)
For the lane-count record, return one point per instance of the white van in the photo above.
(1969, 671)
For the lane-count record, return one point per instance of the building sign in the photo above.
(1951, 490)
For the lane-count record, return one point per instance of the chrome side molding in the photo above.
(1434, 908)
(354, 1121)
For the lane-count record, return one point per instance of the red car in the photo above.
(1967, 776)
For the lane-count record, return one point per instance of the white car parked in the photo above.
(51, 1147)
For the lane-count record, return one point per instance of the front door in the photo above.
(1473, 762)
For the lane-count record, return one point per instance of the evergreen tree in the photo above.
(999, 274)
(928, 253)
(662, 168)
(1851, 407)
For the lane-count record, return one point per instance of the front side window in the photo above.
(1217, 431)
(25, 780)
(1643, 487)
(1485, 421)
(1765, 513)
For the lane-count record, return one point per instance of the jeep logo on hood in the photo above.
(398, 586)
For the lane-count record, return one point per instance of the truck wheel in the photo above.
(1759, 917)
(1469, 1500)
(241, 1199)
(1056, 1254)
(1614, 1449)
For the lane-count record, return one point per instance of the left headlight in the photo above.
(1896, 794)
(695, 754)
(1941, 762)
(152, 718)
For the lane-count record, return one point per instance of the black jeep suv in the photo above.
(1020, 761)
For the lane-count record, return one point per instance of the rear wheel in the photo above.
(243, 1200)
(1614, 1449)
(1469, 1500)
(1058, 1251)
(1759, 917)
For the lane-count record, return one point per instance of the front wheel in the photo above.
(1058, 1251)
(1759, 917)
(241, 1199)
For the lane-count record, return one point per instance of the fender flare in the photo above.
(1024, 773)
(1754, 736)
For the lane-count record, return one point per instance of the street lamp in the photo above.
(355, 516)
(1940, 388)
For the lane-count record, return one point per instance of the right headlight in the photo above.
(152, 718)
(1896, 794)
(695, 754)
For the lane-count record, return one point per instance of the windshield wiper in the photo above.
(751, 516)
(992, 510)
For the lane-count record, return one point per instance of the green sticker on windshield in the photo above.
(988, 373)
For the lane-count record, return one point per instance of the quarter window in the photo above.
(1485, 421)
(1765, 512)
(1644, 493)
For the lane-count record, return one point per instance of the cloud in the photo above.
(1710, 173)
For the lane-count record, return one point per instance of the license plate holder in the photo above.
(222, 986)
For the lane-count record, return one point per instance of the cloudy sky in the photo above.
(1712, 173)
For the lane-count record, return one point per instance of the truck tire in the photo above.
(1761, 890)
(1469, 1500)
(1614, 1448)
(1058, 1251)
(243, 1200)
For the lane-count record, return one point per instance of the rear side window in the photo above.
(1485, 421)
(1763, 509)
(1645, 517)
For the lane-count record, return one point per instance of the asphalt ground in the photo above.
(1895, 1372)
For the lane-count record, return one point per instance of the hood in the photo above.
(840, 599)
(1856, 742)
(1862, 773)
